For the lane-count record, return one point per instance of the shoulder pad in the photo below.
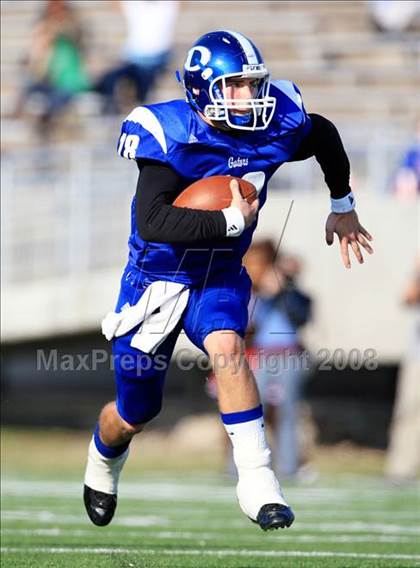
(290, 111)
(142, 136)
(156, 131)
(290, 90)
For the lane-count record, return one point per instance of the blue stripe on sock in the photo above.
(243, 416)
(108, 451)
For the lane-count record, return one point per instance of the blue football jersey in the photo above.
(174, 134)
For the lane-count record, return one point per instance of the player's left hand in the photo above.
(350, 232)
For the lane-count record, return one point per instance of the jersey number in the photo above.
(128, 146)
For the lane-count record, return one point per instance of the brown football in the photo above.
(213, 193)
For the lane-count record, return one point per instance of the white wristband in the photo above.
(235, 222)
(343, 205)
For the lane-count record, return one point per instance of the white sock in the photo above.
(257, 484)
(250, 447)
(102, 473)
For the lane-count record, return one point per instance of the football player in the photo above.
(185, 266)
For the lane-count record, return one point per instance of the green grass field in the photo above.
(191, 519)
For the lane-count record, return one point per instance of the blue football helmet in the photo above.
(213, 59)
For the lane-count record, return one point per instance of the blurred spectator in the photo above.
(403, 458)
(150, 31)
(406, 182)
(278, 311)
(55, 65)
(393, 15)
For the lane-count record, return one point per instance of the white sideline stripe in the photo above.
(49, 517)
(11, 486)
(359, 526)
(200, 552)
(148, 520)
(145, 491)
(56, 532)
(159, 491)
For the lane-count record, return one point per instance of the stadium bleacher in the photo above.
(74, 194)
(345, 68)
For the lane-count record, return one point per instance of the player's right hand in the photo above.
(248, 210)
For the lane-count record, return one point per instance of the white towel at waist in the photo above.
(170, 297)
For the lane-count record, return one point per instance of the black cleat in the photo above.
(274, 516)
(99, 506)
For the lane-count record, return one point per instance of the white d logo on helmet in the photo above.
(205, 55)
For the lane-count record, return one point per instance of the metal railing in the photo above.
(66, 209)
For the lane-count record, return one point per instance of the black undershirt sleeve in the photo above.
(323, 141)
(158, 221)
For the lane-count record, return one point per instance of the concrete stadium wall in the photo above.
(354, 309)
